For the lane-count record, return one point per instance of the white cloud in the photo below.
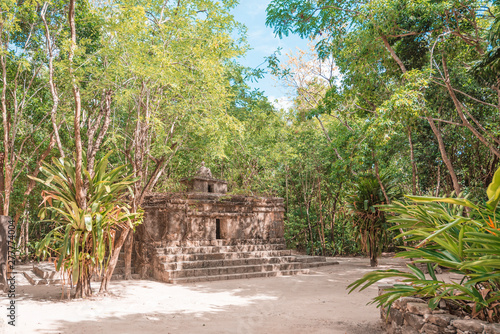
(281, 102)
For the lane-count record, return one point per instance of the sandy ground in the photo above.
(314, 303)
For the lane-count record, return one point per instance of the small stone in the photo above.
(383, 287)
(431, 329)
(401, 302)
(418, 308)
(408, 330)
(492, 329)
(442, 304)
(416, 321)
(450, 331)
(396, 316)
(437, 311)
(442, 320)
(469, 325)
(396, 329)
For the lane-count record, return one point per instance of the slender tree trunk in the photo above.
(377, 175)
(128, 247)
(444, 156)
(438, 181)
(322, 234)
(334, 215)
(393, 54)
(437, 133)
(2, 181)
(7, 168)
(459, 108)
(53, 89)
(117, 245)
(79, 186)
(413, 164)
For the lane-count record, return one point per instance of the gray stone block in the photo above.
(442, 320)
(416, 321)
(429, 328)
(418, 308)
(401, 302)
(475, 326)
(396, 316)
(408, 330)
(492, 329)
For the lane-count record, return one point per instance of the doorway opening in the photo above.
(217, 229)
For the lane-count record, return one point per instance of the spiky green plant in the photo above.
(445, 234)
(83, 237)
(370, 225)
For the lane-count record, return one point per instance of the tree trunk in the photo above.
(382, 187)
(83, 288)
(459, 108)
(438, 186)
(322, 234)
(129, 244)
(444, 156)
(117, 246)
(79, 184)
(413, 164)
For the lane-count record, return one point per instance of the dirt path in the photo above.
(314, 303)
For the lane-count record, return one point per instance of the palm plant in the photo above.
(370, 225)
(83, 237)
(467, 243)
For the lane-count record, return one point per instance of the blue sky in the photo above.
(252, 13)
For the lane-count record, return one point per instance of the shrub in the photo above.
(456, 234)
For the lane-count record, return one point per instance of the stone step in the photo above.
(318, 264)
(34, 279)
(221, 256)
(238, 276)
(220, 249)
(226, 262)
(219, 242)
(245, 269)
(309, 259)
(115, 277)
(46, 270)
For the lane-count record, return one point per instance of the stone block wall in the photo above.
(193, 216)
(185, 218)
(410, 315)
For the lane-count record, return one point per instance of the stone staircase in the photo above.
(43, 273)
(198, 261)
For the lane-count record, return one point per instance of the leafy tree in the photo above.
(83, 237)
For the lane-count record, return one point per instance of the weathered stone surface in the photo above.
(416, 321)
(408, 330)
(429, 328)
(450, 330)
(396, 316)
(492, 329)
(418, 308)
(401, 302)
(395, 328)
(188, 217)
(475, 326)
(442, 320)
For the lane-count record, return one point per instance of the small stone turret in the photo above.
(203, 182)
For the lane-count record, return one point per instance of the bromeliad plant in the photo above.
(446, 234)
(370, 225)
(83, 237)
